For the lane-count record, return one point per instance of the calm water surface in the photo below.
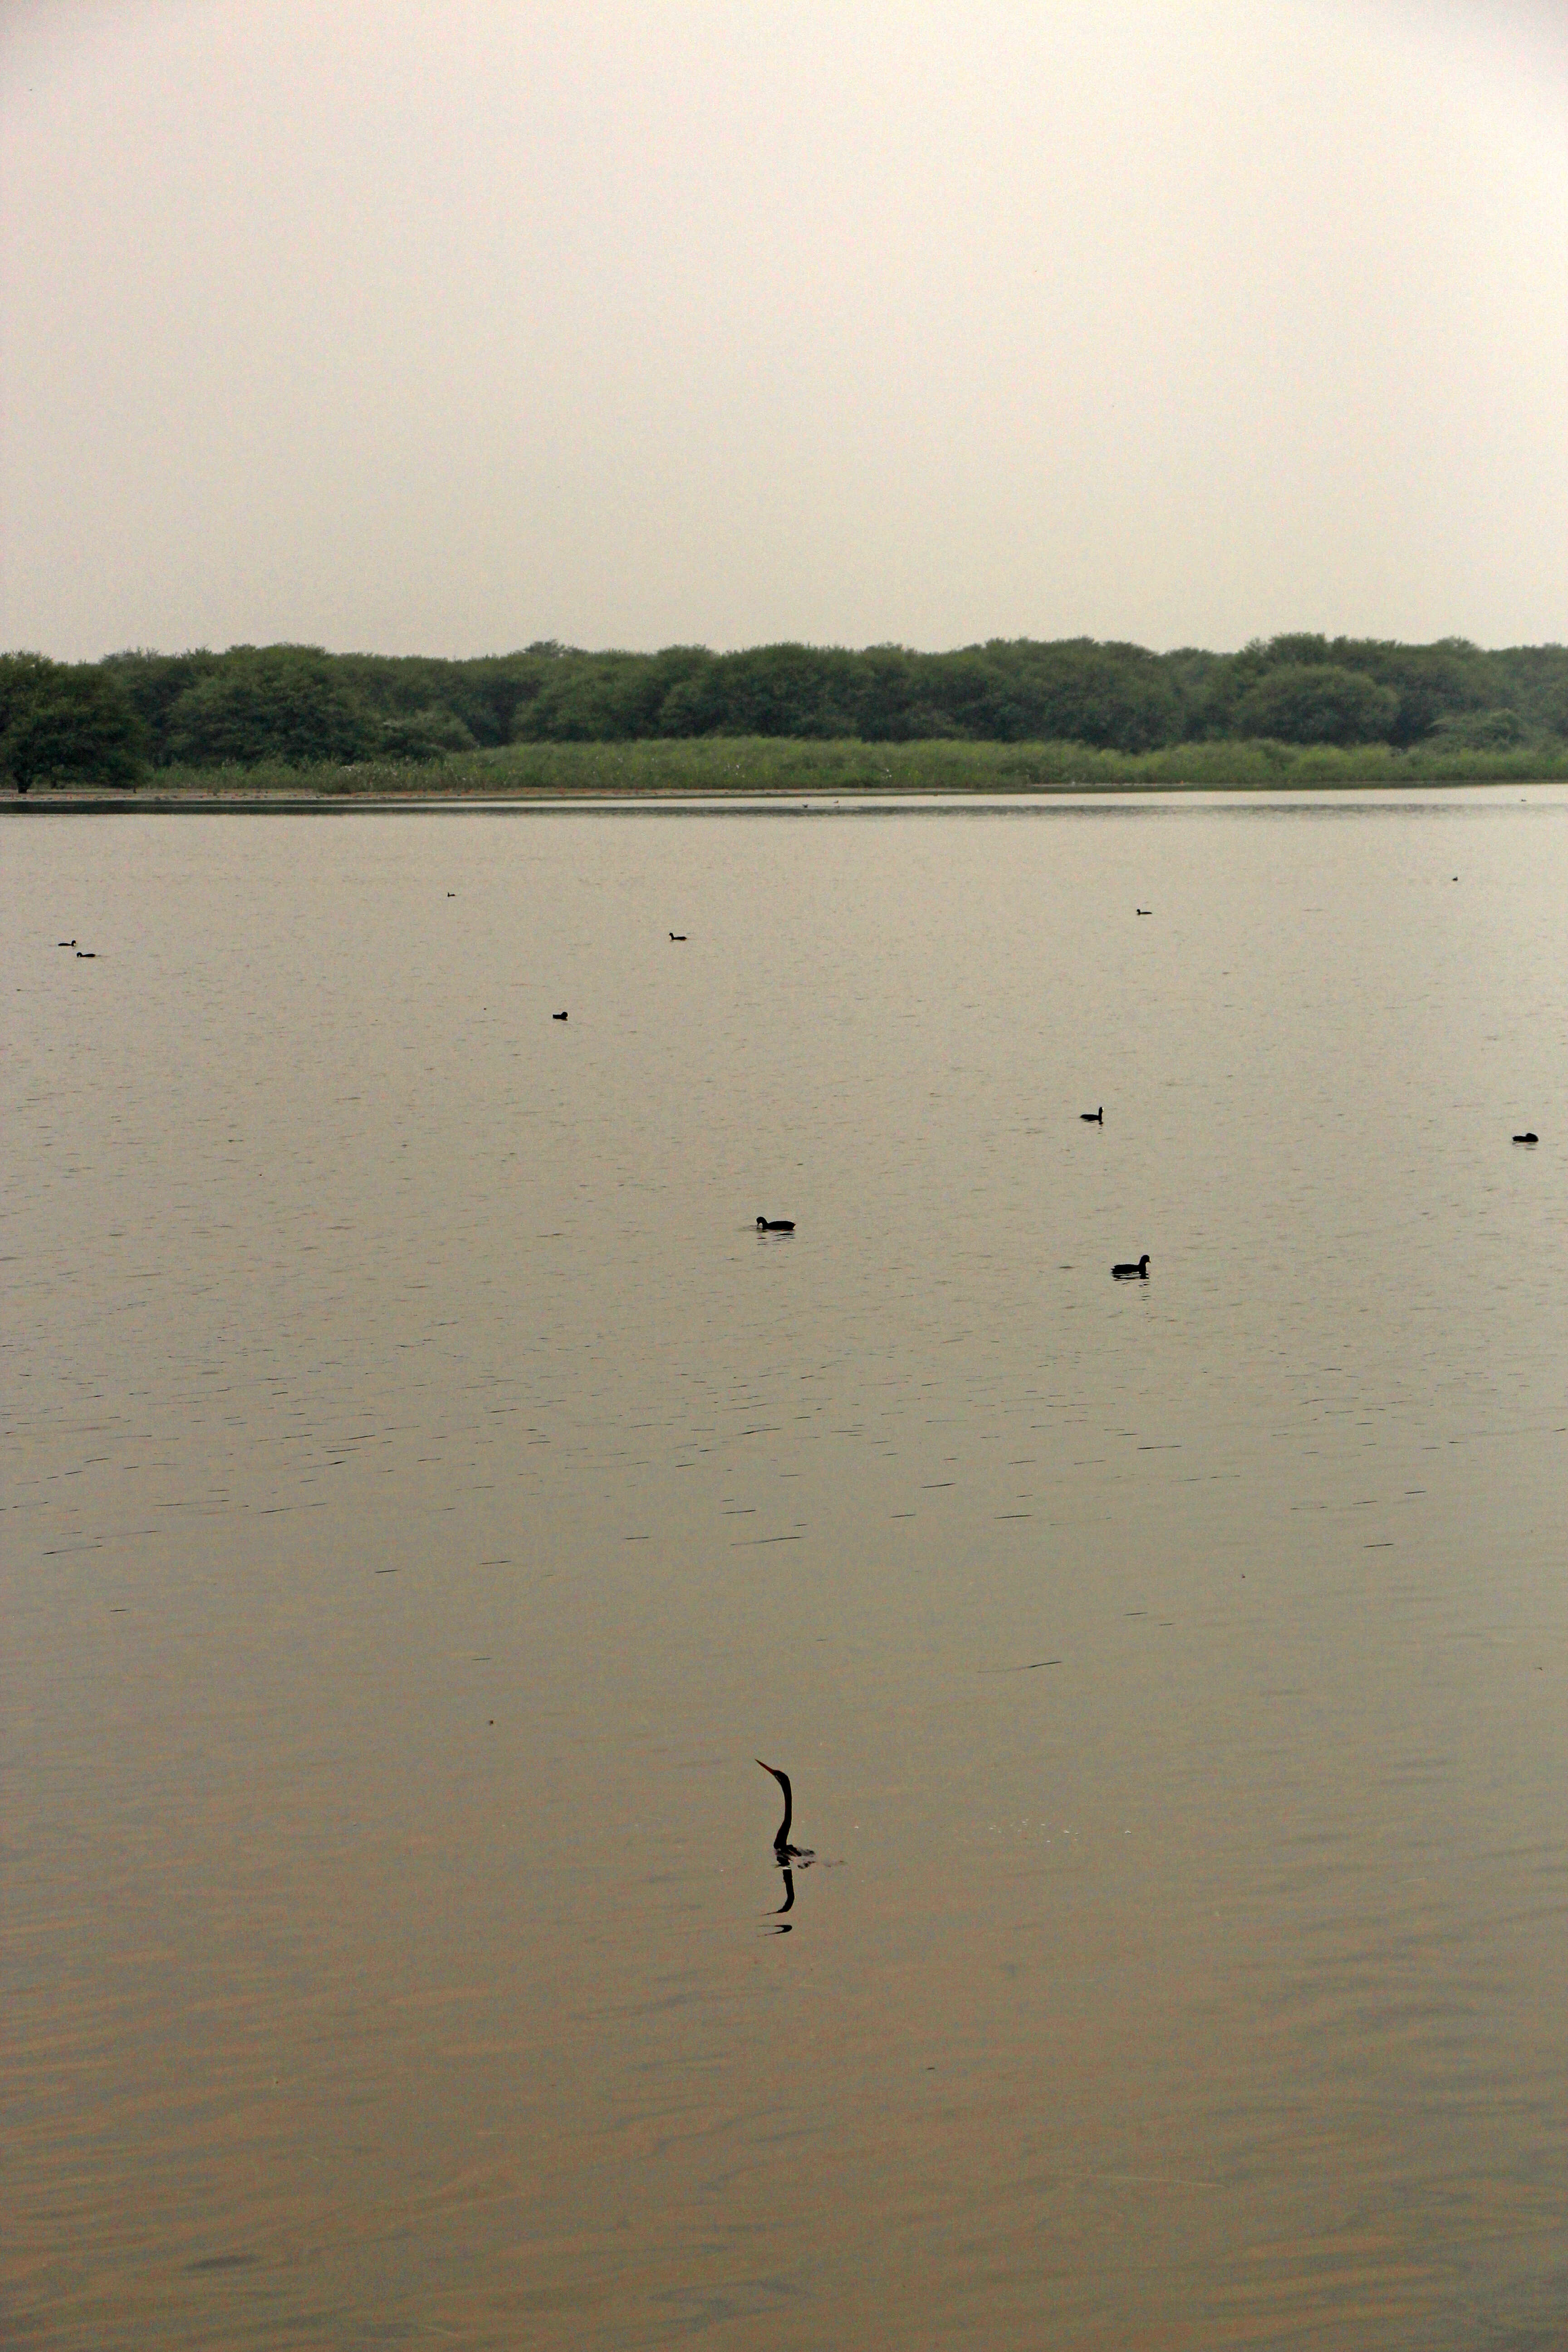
(424, 1493)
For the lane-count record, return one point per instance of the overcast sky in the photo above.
(416, 326)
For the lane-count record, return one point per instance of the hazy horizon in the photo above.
(441, 330)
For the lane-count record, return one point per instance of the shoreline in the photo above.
(283, 800)
(772, 771)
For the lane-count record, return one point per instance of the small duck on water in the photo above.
(1139, 1273)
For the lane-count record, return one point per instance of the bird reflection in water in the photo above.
(787, 1905)
(786, 1855)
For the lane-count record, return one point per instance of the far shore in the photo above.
(86, 801)
(776, 768)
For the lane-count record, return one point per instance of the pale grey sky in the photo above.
(416, 326)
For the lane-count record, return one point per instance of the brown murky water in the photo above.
(426, 1494)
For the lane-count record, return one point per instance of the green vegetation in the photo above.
(774, 764)
(1001, 716)
(281, 704)
(66, 722)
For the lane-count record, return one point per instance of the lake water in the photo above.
(426, 1494)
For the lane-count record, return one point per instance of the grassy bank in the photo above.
(777, 764)
(773, 764)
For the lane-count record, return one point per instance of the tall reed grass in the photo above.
(763, 764)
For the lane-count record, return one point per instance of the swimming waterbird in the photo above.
(558, 1016)
(678, 935)
(1530, 1136)
(1093, 1118)
(775, 1226)
(1139, 1273)
(782, 1846)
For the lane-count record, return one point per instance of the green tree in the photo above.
(1429, 682)
(593, 701)
(280, 702)
(154, 683)
(784, 689)
(1480, 730)
(1114, 696)
(423, 735)
(611, 697)
(1533, 680)
(1432, 682)
(497, 688)
(66, 722)
(297, 704)
(1303, 702)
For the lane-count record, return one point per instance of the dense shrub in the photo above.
(282, 703)
(1478, 731)
(67, 723)
(423, 735)
(1302, 702)
(154, 683)
(295, 705)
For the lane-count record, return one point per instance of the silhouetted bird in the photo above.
(678, 935)
(558, 1016)
(1145, 911)
(1530, 1136)
(1093, 1118)
(86, 955)
(782, 1846)
(775, 1226)
(65, 943)
(1139, 1273)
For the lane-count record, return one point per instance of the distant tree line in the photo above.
(109, 721)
